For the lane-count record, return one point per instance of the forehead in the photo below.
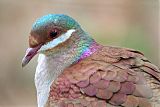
(55, 19)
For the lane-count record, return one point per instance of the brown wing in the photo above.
(111, 77)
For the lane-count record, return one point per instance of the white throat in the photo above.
(50, 67)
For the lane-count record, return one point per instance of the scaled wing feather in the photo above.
(111, 77)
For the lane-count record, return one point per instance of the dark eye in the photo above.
(53, 34)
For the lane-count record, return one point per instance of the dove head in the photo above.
(48, 32)
(50, 27)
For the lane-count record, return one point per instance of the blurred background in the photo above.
(126, 23)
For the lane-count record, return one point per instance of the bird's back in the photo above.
(111, 77)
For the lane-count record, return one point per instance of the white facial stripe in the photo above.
(57, 41)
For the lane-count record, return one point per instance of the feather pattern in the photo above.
(111, 77)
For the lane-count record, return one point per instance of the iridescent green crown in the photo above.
(56, 19)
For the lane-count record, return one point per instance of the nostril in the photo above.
(33, 41)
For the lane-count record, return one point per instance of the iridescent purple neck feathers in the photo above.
(89, 50)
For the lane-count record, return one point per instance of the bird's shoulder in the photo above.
(111, 76)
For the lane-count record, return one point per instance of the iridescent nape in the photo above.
(89, 51)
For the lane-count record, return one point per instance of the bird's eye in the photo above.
(53, 34)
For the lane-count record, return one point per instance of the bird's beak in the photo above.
(30, 53)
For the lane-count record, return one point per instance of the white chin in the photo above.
(62, 38)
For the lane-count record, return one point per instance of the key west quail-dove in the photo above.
(75, 71)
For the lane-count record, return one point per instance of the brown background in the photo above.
(127, 23)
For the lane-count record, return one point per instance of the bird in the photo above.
(76, 71)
